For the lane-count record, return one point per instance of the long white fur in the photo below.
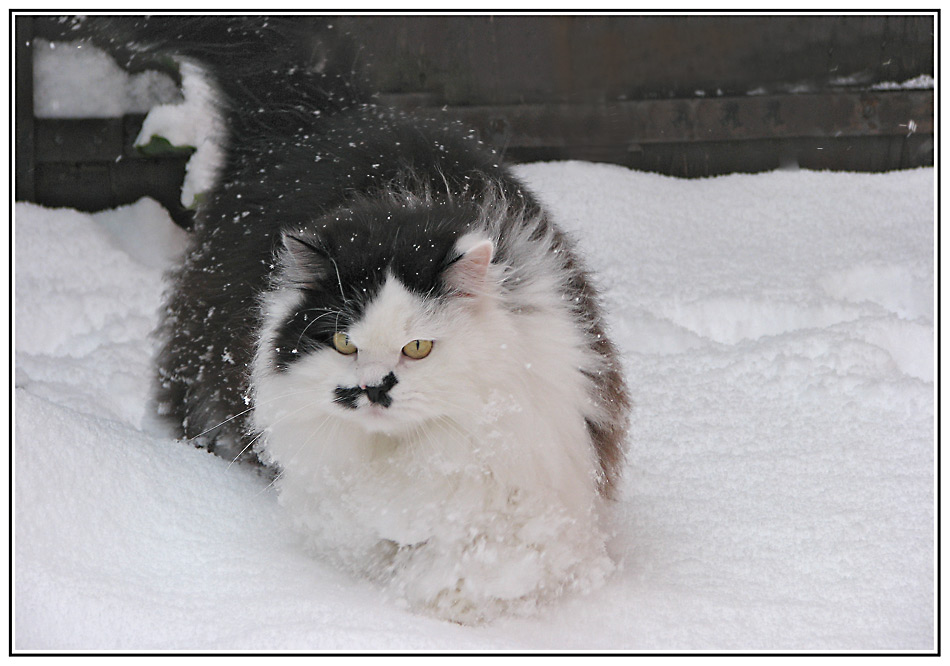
(476, 491)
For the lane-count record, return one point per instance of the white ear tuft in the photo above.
(468, 274)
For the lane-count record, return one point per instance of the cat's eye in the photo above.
(341, 342)
(418, 349)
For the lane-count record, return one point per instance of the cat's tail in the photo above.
(273, 65)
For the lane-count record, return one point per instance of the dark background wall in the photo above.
(524, 59)
(681, 95)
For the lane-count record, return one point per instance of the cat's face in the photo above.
(373, 346)
(404, 362)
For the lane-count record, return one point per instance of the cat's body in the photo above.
(376, 308)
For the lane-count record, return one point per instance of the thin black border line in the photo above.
(937, 133)
(13, 12)
(11, 184)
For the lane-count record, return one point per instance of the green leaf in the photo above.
(199, 199)
(159, 146)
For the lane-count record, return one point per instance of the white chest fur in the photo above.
(476, 491)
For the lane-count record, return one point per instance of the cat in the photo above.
(377, 309)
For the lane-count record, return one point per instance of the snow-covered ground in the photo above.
(778, 337)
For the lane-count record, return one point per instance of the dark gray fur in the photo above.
(306, 148)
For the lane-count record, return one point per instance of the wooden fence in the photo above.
(681, 95)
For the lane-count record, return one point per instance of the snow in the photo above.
(65, 72)
(778, 337)
(922, 82)
(194, 122)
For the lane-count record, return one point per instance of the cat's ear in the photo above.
(468, 274)
(305, 263)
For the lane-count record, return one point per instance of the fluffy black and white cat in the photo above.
(376, 308)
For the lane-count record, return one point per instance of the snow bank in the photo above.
(777, 331)
(65, 73)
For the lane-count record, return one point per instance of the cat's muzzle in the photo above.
(377, 395)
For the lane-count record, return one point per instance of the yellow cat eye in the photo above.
(418, 349)
(341, 342)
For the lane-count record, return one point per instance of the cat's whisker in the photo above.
(256, 437)
(435, 432)
(425, 431)
(241, 413)
(315, 320)
(325, 310)
(436, 400)
(356, 291)
(307, 440)
(282, 418)
(273, 482)
(227, 420)
(246, 447)
(450, 425)
(293, 456)
(339, 280)
(215, 427)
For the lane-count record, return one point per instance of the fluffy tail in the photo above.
(268, 69)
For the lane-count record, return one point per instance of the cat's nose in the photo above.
(379, 394)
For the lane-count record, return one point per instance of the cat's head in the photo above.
(392, 316)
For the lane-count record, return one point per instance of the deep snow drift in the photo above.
(777, 332)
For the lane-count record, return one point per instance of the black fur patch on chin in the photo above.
(347, 397)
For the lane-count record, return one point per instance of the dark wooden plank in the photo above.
(79, 139)
(81, 186)
(92, 139)
(158, 178)
(577, 125)
(92, 186)
(701, 119)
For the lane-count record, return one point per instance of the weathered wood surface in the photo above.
(681, 95)
(476, 60)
